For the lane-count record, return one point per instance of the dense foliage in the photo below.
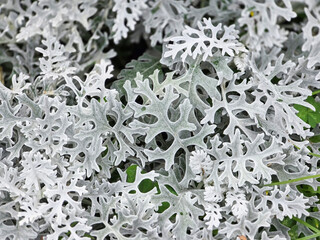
(159, 119)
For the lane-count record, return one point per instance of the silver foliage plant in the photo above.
(185, 152)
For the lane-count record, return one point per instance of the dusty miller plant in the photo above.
(188, 140)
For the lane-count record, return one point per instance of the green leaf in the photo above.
(164, 206)
(315, 139)
(306, 114)
(315, 224)
(307, 190)
(171, 190)
(74, 224)
(292, 224)
(310, 236)
(146, 185)
(88, 235)
(131, 173)
(145, 65)
(311, 227)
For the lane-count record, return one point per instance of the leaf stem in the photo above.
(315, 92)
(309, 153)
(293, 180)
(310, 236)
(307, 225)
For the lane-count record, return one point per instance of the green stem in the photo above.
(296, 179)
(309, 153)
(316, 230)
(315, 155)
(316, 92)
(310, 236)
(293, 180)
